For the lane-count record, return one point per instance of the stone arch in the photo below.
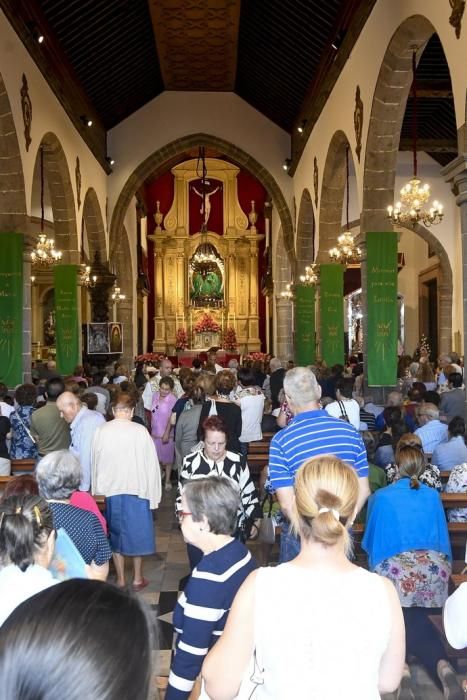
(120, 257)
(13, 211)
(95, 230)
(169, 155)
(62, 201)
(305, 248)
(332, 194)
(382, 147)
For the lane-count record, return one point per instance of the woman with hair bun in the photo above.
(407, 541)
(27, 540)
(325, 607)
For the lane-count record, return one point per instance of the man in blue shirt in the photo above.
(312, 432)
(431, 431)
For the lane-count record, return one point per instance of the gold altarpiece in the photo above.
(174, 247)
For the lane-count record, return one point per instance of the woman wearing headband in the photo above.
(325, 607)
(27, 539)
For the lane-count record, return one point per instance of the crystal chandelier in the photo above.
(44, 253)
(414, 195)
(310, 278)
(87, 280)
(117, 296)
(346, 251)
(288, 293)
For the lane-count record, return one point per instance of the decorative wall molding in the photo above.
(26, 106)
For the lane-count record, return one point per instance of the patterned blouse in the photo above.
(457, 483)
(420, 577)
(431, 476)
(234, 467)
(22, 447)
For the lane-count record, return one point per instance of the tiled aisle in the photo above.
(169, 566)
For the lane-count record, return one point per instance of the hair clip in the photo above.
(37, 513)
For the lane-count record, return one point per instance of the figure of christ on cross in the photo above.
(205, 203)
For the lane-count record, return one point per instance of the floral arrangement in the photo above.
(181, 339)
(229, 341)
(150, 357)
(255, 356)
(206, 324)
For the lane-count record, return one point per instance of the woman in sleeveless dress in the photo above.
(295, 623)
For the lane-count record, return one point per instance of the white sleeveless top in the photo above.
(320, 636)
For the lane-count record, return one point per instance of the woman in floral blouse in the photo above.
(407, 540)
(22, 444)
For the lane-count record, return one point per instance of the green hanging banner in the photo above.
(381, 255)
(331, 311)
(11, 308)
(305, 344)
(66, 317)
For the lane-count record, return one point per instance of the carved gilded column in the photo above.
(180, 310)
(254, 343)
(159, 321)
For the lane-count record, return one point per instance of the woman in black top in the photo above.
(222, 406)
(5, 465)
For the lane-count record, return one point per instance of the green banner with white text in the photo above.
(381, 254)
(66, 317)
(305, 347)
(11, 308)
(331, 311)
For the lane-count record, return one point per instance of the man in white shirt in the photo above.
(165, 370)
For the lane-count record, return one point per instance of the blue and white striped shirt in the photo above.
(310, 434)
(201, 612)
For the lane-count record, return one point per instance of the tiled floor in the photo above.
(166, 569)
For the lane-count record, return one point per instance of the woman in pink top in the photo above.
(163, 402)
(82, 499)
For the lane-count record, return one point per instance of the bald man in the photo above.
(83, 424)
(165, 370)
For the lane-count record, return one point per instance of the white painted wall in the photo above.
(47, 115)
(173, 115)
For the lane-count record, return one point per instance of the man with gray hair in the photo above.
(152, 385)
(274, 383)
(83, 424)
(431, 431)
(311, 432)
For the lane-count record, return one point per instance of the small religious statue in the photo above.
(205, 203)
(49, 329)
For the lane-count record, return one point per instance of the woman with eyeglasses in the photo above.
(27, 540)
(208, 519)
(214, 459)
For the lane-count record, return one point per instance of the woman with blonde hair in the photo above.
(326, 608)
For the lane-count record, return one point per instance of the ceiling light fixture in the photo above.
(286, 164)
(110, 160)
(301, 127)
(85, 120)
(288, 293)
(310, 278)
(409, 210)
(346, 251)
(117, 296)
(44, 253)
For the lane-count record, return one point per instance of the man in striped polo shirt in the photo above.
(312, 432)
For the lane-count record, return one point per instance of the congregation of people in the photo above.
(337, 458)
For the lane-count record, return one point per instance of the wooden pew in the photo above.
(23, 466)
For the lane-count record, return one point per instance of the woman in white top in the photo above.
(345, 406)
(250, 398)
(27, 539)
(325, 608)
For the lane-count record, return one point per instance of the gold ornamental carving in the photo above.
(358, 122)
(315, 180)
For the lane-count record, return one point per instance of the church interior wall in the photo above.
(47, 116)
(173, 115)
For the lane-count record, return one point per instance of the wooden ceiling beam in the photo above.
(54, 65)
(430, 145)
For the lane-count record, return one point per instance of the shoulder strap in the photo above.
(342, 407)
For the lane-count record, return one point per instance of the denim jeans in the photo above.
(290, 544)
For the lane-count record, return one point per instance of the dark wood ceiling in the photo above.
(115, 56)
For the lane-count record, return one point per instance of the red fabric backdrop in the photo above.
(249, 188)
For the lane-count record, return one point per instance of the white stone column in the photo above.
(284, 329)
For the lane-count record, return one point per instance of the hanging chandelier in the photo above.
(44, 254)
(87, 280)
(117, 296)
(310, 278)
(346, 251)
(413, 196)
(288, 293)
